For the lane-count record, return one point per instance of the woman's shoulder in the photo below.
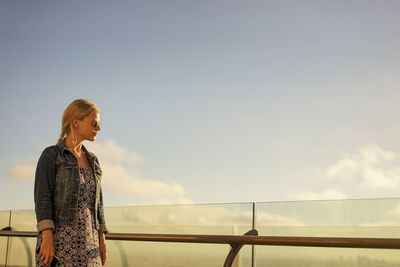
(50, 150)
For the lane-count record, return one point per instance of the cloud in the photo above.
(323, 195)
(372, 167)
(110, 151)
(22, 172)
(119, 177)
(370, 171)
(182, 216)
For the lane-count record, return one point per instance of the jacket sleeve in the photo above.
(100, 215)
(44, 188)
(100, 207)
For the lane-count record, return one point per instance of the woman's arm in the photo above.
(43, 192)
(102, 247)
(46, 252)
(44, 188)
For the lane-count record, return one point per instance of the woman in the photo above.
(68, 196)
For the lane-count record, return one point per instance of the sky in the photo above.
(207, 101)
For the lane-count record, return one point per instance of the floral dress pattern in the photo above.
(77, 245)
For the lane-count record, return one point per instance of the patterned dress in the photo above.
(77, 245)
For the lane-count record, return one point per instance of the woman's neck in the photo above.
(74, 146)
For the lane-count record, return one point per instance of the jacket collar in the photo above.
(63, 147)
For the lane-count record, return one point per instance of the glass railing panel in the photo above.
(23, 220)
(22, 249)
(378, 218)
(349, 218)
(180, 219)
(267, 256)
(343, 218)
(154, 254)
(150, 254)
(4, 222)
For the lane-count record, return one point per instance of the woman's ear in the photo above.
(75, 123)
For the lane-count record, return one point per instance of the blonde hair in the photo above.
(78, 109)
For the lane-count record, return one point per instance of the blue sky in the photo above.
(207, 101)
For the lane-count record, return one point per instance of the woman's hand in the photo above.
(102, 247)
(46, 252)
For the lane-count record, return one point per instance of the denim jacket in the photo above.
(57, 188)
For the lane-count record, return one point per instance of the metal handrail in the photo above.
(344, 242)
(249, 238)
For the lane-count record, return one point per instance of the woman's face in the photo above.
(89, 127)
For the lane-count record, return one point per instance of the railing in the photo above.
(365, 232)
(250, 238)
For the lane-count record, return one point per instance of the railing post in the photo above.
(235, 250)
(8, 238)
(8, 228)
(253, 260)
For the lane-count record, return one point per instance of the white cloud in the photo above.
(119, 177)
(181, 216)
(345, 169)
(372, 167)
(109, 151)
(370, 171)
(22, 172)
(323, 195)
